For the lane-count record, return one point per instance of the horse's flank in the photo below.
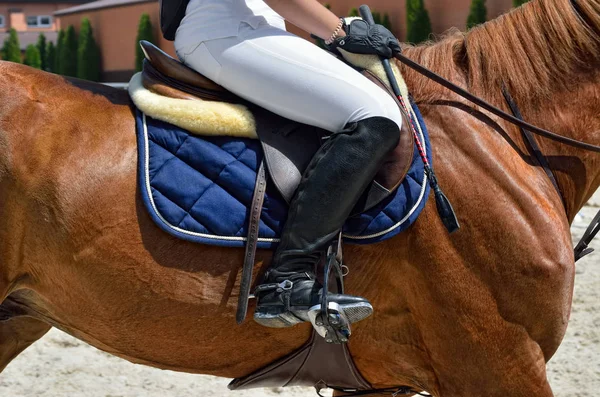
(475, 313)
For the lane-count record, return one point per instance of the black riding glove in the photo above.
(362, 38)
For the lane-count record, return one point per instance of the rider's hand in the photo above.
(362, 38)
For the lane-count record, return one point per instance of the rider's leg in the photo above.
(291, 77)
(296, 79)
(334, 180)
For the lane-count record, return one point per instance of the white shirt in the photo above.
(215, 19)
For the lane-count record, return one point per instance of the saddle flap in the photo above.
(395, 166)
(288, 148)
(317, 363)
(153, 82)
(161, 84)
(393, 170)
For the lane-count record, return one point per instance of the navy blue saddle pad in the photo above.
(200, 188)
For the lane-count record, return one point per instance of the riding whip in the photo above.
(442, 203)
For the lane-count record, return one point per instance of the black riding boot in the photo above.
(333, 182)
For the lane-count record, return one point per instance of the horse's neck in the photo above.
(573, 114)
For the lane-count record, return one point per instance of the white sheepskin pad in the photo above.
(197, 116)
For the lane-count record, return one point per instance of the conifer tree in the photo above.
(33, 57)
(68, 53)
(418, 24)
(60, 41)
(88, 53)
(50, 57)
(41, 46)
(377, 17)
(478, 13)
(71, 46)
(386, 21)
(11, 50)
(145, 32)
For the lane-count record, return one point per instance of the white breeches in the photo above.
(291, 77)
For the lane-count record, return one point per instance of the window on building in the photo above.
(1, 21)
(39, 21)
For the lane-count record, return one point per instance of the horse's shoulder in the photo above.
(55, 129)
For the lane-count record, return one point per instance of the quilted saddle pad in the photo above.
(199, 188)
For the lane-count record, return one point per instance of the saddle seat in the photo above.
(168, 77)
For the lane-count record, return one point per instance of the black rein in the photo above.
(492, 109)
(582, 248)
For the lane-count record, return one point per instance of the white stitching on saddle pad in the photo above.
(178, 229)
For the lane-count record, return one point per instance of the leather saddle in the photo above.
(288, 146)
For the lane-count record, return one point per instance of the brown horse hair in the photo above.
(535, 51)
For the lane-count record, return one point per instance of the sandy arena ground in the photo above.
(59, 365)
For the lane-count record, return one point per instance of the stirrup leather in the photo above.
(332, 323)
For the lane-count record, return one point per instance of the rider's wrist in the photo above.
(338, 32)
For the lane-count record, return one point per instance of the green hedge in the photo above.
(11, 50)
(33, 57)
(386, 21)
(42, 49)
(50, 57)
(145, 32)
(478, 13)
(67, 53)
(88, 53)
(418, 24)
(59, 48)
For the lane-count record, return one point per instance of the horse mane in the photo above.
(535, 50)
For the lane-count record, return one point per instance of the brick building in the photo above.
(30, 18)
(444, 14)
(115, 24)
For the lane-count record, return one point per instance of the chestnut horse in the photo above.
(475, 313)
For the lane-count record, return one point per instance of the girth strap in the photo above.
(582, 248)
(250, 254)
